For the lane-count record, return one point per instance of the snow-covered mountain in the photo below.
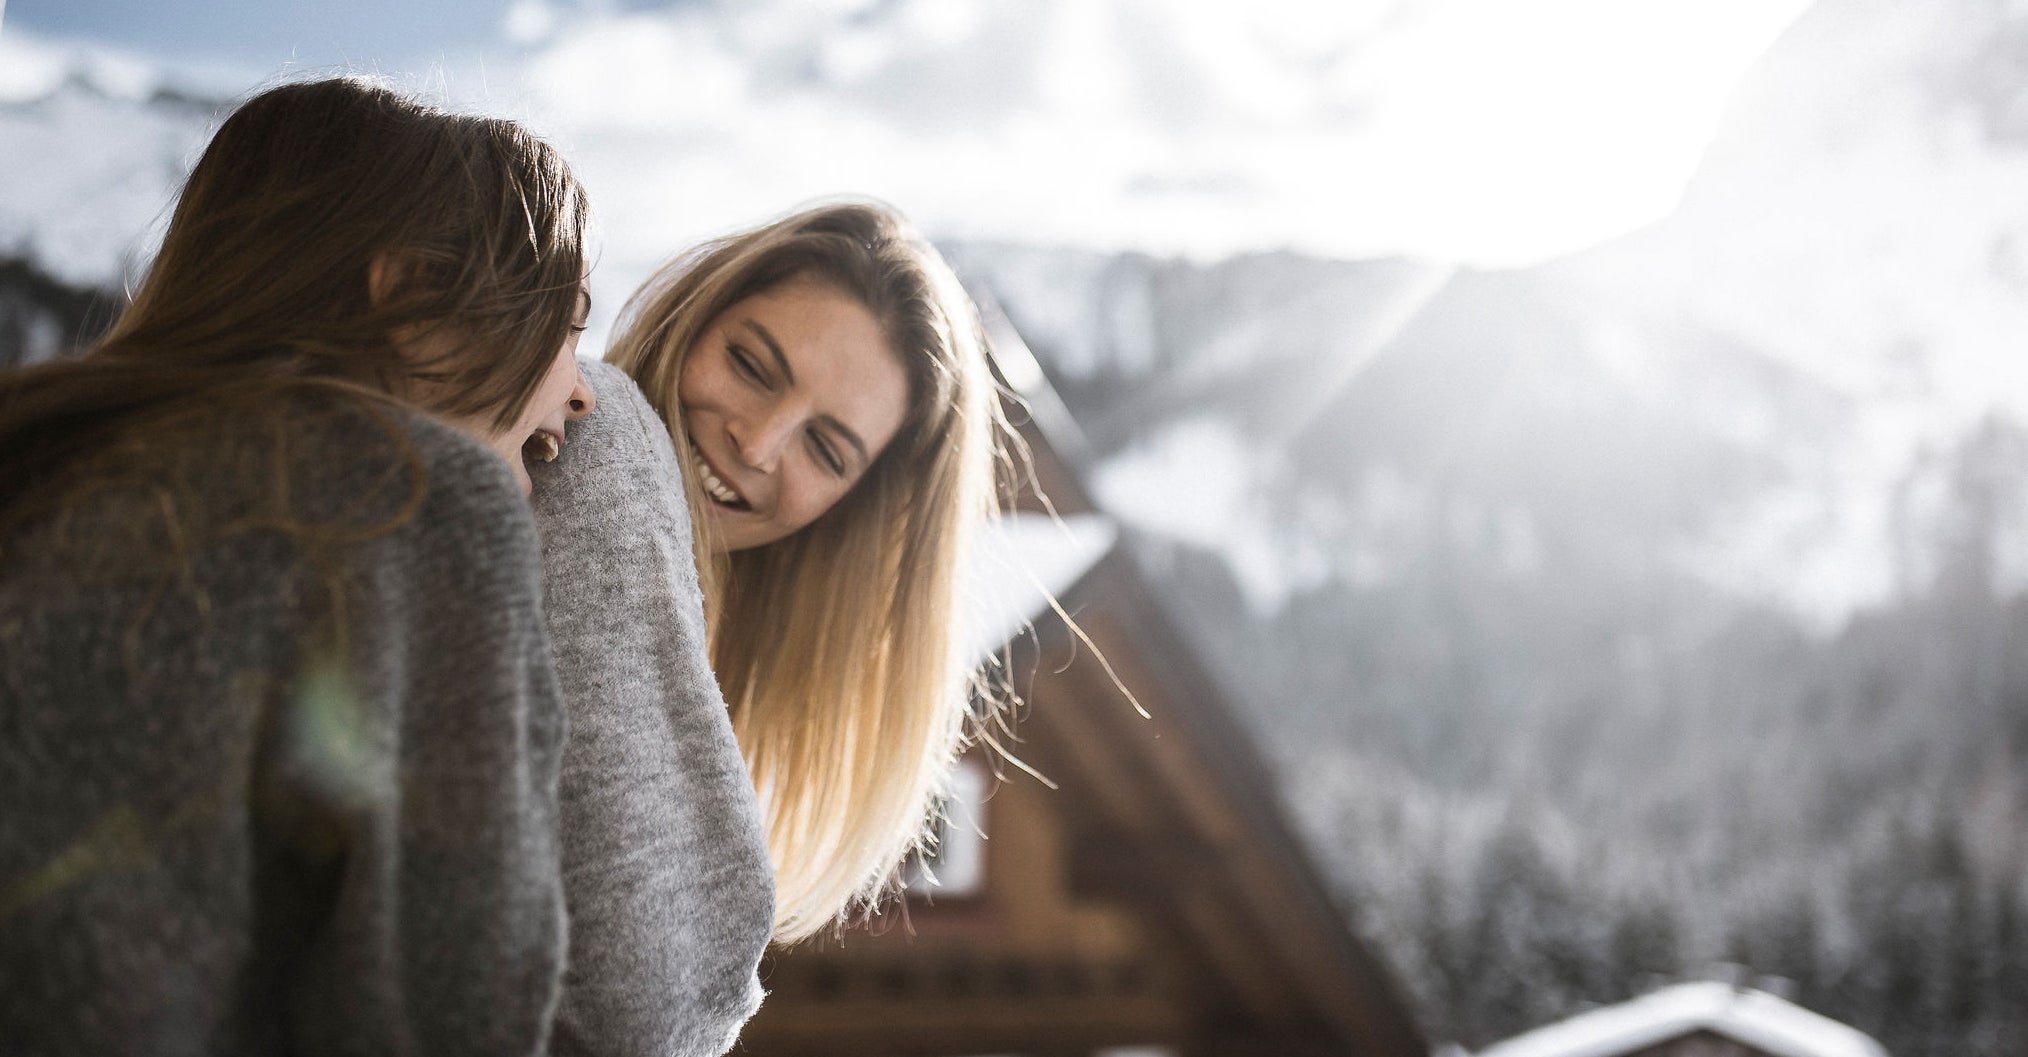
(1761, 392)
(96, 144)
(1860, 221)
(1684, 580)
(96, 151)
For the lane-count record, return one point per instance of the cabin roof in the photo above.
(1754, 1018)
(1259, 888)
(1020, 564)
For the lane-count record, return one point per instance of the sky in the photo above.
(264, 32)
(1489, 132)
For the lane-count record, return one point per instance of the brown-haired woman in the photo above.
(279, 731)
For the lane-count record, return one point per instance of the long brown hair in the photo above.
(261, 283)
(838, 648)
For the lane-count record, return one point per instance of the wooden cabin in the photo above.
(1154, 903)
(1704, 1019)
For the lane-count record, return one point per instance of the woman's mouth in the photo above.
(719, 492)
(542, 446)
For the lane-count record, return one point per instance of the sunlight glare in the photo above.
(1523, 130)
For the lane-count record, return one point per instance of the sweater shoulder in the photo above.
(616, 485)
(470, 495)
(316, 473)
(625, 427)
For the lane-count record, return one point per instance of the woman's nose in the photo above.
(759, 439)
(582, 402)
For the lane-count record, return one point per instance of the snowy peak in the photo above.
(124, 143)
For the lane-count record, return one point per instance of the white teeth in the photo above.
(713, 487)
(543, 446)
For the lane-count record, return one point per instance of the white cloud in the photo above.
(32, 67)
(29, 68)
(1459, 129)
(530, 21)
(1464, 129)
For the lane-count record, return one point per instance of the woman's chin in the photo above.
(732, 529)
(521, 480)
(516, 460)
(724, 526)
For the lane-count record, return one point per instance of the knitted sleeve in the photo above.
(665, 868)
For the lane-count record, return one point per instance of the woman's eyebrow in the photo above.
(781, 361)
(851, 438)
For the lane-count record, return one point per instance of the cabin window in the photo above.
(958, 862)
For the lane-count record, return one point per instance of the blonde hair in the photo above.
(839, 648)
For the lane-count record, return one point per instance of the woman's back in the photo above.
(278, 745)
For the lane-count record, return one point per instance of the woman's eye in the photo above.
(745, 365)
(827, 455)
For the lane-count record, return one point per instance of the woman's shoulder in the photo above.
(307, 465)
(351, 460)
(623, 428)
(461, 471)
(366, 482)
(617, 472)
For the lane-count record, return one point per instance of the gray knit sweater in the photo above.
(279, 752)
(665, 866)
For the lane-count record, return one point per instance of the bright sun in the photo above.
(1520, 131)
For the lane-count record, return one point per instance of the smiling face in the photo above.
(562, 397)
(787, 396)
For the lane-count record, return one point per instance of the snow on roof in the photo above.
(1754, 1018)
(1021, 564)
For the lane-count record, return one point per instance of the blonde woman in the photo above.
(827, 412)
